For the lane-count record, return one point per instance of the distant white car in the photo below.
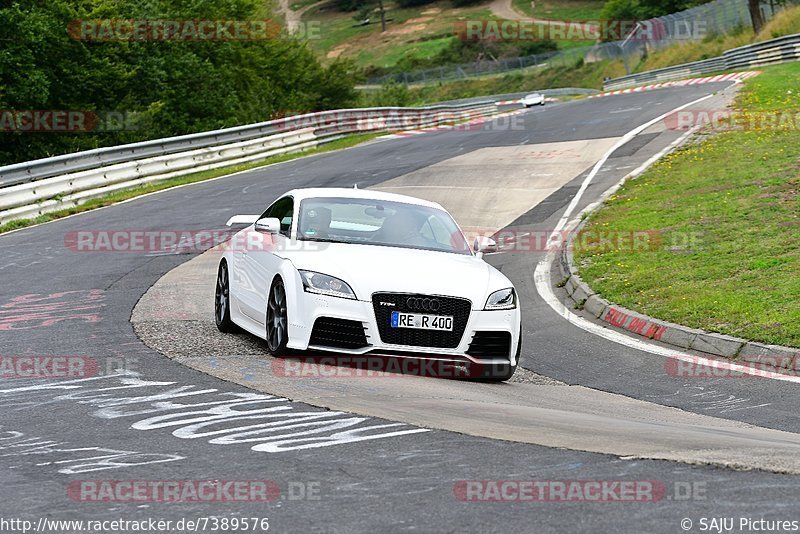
(364, 272)
(533, 99)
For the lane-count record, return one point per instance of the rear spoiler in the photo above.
(242, 220)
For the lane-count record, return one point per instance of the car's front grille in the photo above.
(338, 333)
(386, 303)
(490, 345)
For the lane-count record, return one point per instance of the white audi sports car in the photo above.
(533, 99)
(363, 272)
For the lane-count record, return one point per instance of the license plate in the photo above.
(422, 321)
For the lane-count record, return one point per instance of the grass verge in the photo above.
(569, 10)
(126, 194)
(418, 31)
(725, 222)
(588, 75)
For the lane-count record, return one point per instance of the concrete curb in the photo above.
(673, 334)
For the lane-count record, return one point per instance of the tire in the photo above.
(541, 103)
(504, 371)
(222, 300)
(277, 322)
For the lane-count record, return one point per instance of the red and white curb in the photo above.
(733, 76)
(466, 126)
(766, 360)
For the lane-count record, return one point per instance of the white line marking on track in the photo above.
(597, 166)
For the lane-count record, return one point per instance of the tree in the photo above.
(644, 9)
(383, 15)
(754, 7)
(171, 87)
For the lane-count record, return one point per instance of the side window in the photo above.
(282, 209)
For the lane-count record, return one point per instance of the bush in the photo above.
(350, 5)
(459, 51)
(412, 3)
(391, 94)
(463, 3)
(645, 9)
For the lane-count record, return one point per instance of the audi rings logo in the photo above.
(423, 304)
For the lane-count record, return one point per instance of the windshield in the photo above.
(379, 222)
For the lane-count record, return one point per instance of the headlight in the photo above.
(323, 284)
(505, 299)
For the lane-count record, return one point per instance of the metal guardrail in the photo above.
(35, 187)
(42, 168)
(778, 50)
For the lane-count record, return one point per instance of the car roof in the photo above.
(342, 192)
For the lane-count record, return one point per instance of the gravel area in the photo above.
(200, 339)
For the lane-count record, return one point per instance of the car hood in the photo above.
(370, 268)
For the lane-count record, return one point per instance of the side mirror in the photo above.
(484, 244)
(245, 220)
(268, 225)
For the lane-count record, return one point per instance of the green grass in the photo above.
(126, 194)
(725, 256)
(367, 46)
(423, 49)
(563, 10)
(334, 31)
(413, 32)
(581, 10)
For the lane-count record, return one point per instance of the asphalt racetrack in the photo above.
(172, 399)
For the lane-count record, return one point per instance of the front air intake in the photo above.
(338, 333)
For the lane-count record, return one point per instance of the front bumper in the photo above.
(311, 307)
